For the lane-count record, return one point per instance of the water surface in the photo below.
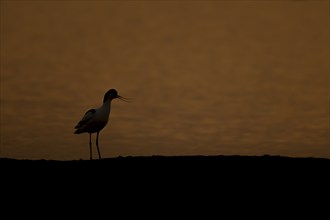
(207, 78)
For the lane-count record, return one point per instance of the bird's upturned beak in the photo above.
(122, 98)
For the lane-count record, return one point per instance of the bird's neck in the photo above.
(106, 105)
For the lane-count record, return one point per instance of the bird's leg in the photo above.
(97, 144)
(90, 146)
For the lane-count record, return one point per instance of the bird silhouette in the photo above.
(95, 120)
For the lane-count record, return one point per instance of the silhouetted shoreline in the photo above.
(183, 157)
(159, 158)
(136, 175)
(171, 159)
(167, 165)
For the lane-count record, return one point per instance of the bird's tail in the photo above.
(78, 131)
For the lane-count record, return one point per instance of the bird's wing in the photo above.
(88, 115)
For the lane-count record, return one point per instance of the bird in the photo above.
(96, 119)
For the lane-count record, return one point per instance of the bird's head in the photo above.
(113, 94)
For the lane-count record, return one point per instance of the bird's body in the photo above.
(95, 120)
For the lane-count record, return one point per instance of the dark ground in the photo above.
(247, 173)
(167, 166)
(258, 184)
